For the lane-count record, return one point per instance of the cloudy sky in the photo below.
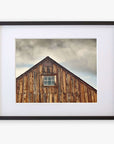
(77, 55)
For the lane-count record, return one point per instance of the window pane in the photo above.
(49, 78)
(45, 83)
(53, 83)
(52, 78)
(45, 77)
(49, 82)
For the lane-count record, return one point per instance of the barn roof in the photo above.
(53, 61)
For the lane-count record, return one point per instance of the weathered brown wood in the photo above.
(38, 84)
(72, 90)
(95, 97)
(46, 95)
(17, 91)
(92, 96)
(54, 68)
(86, 94)
(45, 68)
(77, 91)
(51, 69)
(28, 87)
(34, 86)
(25, 88)
(89, 95)
(59, 83)
(67, 89)
(64, 87)
(20, 90)
(31, 86)
(41, 81)
(50, 93)
(56, 96)
(82, 92)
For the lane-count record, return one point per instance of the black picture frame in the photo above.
(13, 23)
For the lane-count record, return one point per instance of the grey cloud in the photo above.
(78, 54)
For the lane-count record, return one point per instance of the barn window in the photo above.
(49, 80)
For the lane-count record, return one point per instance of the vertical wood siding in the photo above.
(69, 89)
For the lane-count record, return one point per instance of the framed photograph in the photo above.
(56, 70)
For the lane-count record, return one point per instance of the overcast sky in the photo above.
(77, 55)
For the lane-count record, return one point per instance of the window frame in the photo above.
(56, 80)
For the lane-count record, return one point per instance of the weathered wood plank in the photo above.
(72, 90)
(35, 86)
(17, 91)
(51, 69)
(82, 91)
(89, 95)
(64, 87)
(92, 96)
(31, 87)
(61, 80)
(41, 84)
(52, 91)
(44, 95)
(68, 87)
(47, 95)
(54, 68)
(28, 87)
(50, 95)
(86, 95)
(77, 91)
(25, 89)
(56, 96)
(45, 68)
(95, 97)
(20, 90)
(59, 83)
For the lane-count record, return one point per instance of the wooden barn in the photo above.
(49, 82)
